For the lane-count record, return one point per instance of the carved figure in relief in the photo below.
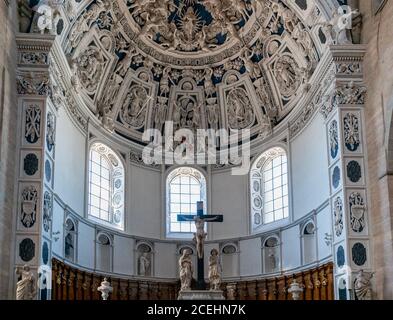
(208, 84)
(134, 106)
(161, 109)
(90, 67)
(212, 113)
(165, 81)
(240, 112)
(251, 67)
(125, 64)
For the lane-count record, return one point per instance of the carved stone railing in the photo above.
(73, 284)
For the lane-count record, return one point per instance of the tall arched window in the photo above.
(269, 188)
(106, 186)
(185, 187)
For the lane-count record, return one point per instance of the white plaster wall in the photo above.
(290, 248)
(324, 225)
(57, 226)
(230, 265)
(144, 202)
(165, 260)
(86, 245)
(250, 257)
(310, 179)
(230, 198)
(70, 163)
(123, 255)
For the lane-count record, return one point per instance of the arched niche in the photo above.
(230, 260)
(104, 252)
(309, 244)
(70, 239)
(271, 254)
(144, 259)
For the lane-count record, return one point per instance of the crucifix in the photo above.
(200, 236)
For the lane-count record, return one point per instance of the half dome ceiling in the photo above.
(229, 64)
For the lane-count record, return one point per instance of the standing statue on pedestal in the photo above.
(200, 236)
(186, 270)
(214, 270)
(144, 264)
(362, 285)
(26, 288)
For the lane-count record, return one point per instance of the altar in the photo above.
(201, 295)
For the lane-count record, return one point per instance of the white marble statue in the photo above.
(185, 270)
(214, 270)
(26, 288)
(338, 29)
(362, 285)
(105, 289)
(49, 15)
(144, 264)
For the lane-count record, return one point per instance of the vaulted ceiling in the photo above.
(231, 64)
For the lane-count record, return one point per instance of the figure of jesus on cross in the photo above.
(199, 237)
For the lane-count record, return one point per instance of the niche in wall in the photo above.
(309, 242)
(145, 256)
(104, 252)
(230, 260)
(271, 254)
(70, 238)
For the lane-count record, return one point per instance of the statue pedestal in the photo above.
(201, 295)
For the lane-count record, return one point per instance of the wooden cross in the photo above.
(199, 237)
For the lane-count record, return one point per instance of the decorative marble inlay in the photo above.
(333, 133)
(359, 254)
(336, 178)
(354, 171)
(357, 212)
(340, 257)
(27, 250)
(338, 217)
(33, 123)
(29, 206)
(351, 132)
(30, 164)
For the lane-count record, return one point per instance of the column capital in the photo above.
(347, 87)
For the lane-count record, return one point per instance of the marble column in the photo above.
(343, 108)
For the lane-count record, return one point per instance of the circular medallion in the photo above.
(359, 254)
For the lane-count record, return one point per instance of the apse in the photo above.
(123, 104)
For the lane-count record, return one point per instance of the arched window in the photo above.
(185, 187)
(106, 186)
(269, 188)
